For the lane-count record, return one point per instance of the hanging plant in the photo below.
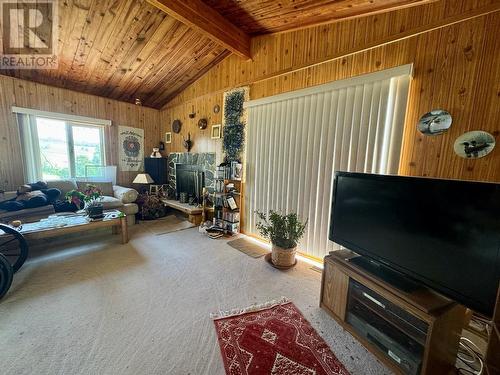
(233, 108)
(234, 123)
(234, 139)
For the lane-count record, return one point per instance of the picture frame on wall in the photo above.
(168, 137)
(216, 131)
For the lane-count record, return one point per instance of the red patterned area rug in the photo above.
(274, 338)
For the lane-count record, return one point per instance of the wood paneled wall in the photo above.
(15, 92)
(456, 67)
(202, 142)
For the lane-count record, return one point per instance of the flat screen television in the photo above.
(444, 234)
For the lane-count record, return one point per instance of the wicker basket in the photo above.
(283, 257)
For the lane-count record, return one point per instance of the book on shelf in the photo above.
(231, 203)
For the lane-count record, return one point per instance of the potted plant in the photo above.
(91, 197)
(284, 232)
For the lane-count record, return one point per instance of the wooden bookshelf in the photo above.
(237, 196)
(226, 217)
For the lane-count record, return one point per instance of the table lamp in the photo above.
(143, 179)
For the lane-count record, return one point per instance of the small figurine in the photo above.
(156, 153)
(188, 143)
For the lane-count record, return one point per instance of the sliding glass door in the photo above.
(296, 141)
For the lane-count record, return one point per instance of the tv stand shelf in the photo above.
(414, 332)
(492, 359)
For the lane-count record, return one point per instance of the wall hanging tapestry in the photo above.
(234, 121)
(131, 146)
(273, 338)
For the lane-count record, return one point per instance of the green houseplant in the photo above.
(284, 232)
(91, 197)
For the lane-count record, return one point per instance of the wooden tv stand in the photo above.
(426, 325)
(492, 358)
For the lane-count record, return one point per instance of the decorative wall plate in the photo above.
(474, 144)
(202, 123)
(176, 126)
(434, 122)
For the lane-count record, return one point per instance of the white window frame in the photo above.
(71, 144)
(70, 122)
(60, 116)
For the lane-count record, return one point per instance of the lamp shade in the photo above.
(143, 178)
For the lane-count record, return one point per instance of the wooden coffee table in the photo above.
(61, 224)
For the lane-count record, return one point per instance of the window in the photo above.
(56, 148)
(69, 150)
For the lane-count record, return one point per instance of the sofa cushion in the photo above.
(126, 195)
(63, 185)
(111, 202)
(105, 187)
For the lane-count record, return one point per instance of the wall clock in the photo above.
(176, 126)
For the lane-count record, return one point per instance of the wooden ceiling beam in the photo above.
(199, 16)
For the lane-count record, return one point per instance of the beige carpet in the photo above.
(143, 308)
(165, 225)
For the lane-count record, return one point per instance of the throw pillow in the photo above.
(126, 195)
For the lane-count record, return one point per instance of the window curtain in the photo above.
(296, 141)
(30, 148)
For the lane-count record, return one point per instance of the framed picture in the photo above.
(216, 131)
(168, 137)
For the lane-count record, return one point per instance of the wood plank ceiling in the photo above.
(125, 49)
(257, 17)
(128, 49)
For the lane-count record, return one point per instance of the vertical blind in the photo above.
(296, 141)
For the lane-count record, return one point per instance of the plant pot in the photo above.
(283, 257)
(95, 211)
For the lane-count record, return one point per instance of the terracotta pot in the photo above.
(283, 257)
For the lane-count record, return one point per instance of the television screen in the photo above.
(444, 234)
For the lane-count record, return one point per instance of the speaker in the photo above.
(157, 168)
